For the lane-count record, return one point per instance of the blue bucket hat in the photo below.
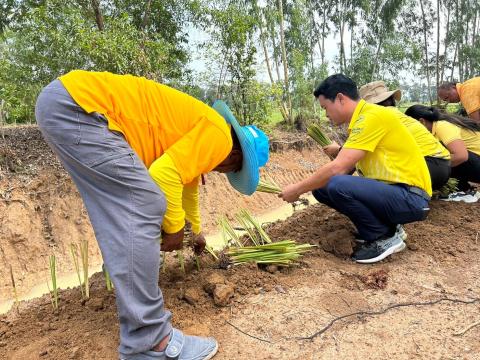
(255, 149)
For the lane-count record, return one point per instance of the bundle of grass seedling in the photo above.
(263, 251)
(317, 134)
(280, 253)
(268, 186)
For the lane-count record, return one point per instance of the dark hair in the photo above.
(433, 114)
(390, 101)
(447, 85)
(235, 141)
(335, 84)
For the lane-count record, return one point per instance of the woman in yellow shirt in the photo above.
(136, 149)
(436, 156)
(461, 136)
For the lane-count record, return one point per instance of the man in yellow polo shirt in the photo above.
(394, 187)
(136, 149)
(468, 93)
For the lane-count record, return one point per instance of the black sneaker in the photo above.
(378, 250)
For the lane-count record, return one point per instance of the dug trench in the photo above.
(421, 303)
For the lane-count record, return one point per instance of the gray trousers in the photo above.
(125, 207)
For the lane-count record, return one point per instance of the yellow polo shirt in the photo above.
(155, 119)
(447, 132)
(175, 135)
(469, 92)
(428, 144)
(392, 155)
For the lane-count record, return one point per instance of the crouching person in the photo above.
(394, 187)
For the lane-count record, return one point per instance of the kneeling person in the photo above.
(395, 185)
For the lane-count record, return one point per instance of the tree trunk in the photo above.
(424, 20)
(284, 60)
(269, 68)
(98, 14)
(323, 36)
(447, 43)
(453, 62)
(146, 15)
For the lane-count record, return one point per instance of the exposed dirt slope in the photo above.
(41, 212)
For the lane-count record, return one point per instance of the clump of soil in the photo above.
(318, 225)
(375, 279)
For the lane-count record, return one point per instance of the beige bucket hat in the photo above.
(376, 92)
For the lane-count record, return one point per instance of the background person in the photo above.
(107, 130)
(461, 136)
(395, 185)
(468, 93)
(436, 155)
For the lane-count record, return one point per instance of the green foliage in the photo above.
(54, 38)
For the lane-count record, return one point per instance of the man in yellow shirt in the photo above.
(436, 155)
(136, 149)
(468, 93)
(395, 185)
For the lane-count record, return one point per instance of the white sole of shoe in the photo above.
(209, 356)
(213, 353)
(390, 251)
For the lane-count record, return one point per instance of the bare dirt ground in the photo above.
(422, 303)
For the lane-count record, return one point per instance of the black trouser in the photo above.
(439, 170)
(467, 171)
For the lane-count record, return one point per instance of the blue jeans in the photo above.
(374, 207)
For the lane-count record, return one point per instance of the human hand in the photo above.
(332, 150)
(173, 241)
(198, 243)
(290, 193)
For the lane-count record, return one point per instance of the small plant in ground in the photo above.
(52, 263)
(108, 280)
(197, 261)
(76, 264)
(84, 257)
(181, 260)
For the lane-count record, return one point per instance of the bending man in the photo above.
(107, 130)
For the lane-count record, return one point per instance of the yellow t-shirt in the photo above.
(447, 132)
(469, 92)
(428, 144)
(392, 155)
(155, 119)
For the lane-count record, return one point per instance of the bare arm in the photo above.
(343, 164)
(458, 152)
